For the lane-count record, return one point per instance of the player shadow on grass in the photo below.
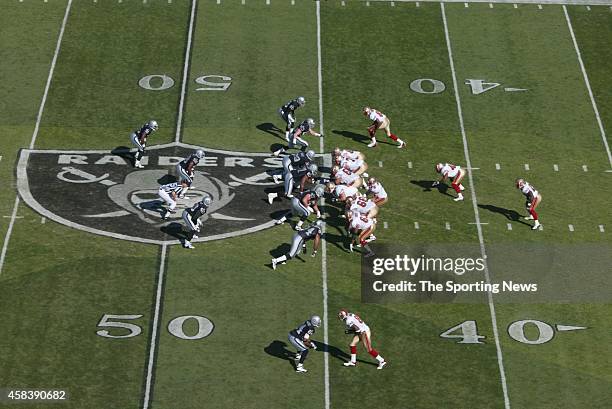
(279, 350)
(358, 137)
(175, 230)
(271, 129)
(124, 152)
(511, 215)
(426, 185)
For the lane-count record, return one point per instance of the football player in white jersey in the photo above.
(363, 229)
(361, 332)
(357, 166)
(343, 176)
(453, 172)
(341, 192)
(347, 154)
(378, 191)
(534, 198)
(380, 121)
(361, 205)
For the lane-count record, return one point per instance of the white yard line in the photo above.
(179, 120)
(153, 344)
(9, 231)
(500, 359)
(539, 2)
(588, 85)
(323, 242)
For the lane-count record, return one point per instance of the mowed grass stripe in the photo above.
(22, 88)
(97, 100)
(553, 121)
(268, 64)
(252, 307)
(388, 48)
(77, 278)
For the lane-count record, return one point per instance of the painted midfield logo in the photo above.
(102, 193)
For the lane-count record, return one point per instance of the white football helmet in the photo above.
(318, 223)
(301, 101)
(315, 320)
(207, 201)
(153, 124)
(319, 190)
(313, 168)
(199, 153)
(310, 154)
(310, 122)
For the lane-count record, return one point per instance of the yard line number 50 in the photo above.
(121, 329)
(160, 82)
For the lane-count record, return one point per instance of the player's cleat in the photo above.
(271, 197)
(537, 225)
(300, 368)
(276, 178)
(381, 364)
(165, 215)
(530, 217)
(458, 198)
(298, 228)
(195, 236)
(289, 196)
(365, 175)
(278, 222)
(351, 247)
(371, 144)
(350, 363)
(370, 238)
(304, 248)
(401, 145)
(138, 165)
(273, 264)
(461, 187)
(188, 245)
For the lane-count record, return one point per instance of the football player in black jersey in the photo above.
(296, 137)
(139, 139)
(185, 168)
(302, 175)
(304, 204)
(300, 339)
(313, 232)
(287, 113)
(191, 217)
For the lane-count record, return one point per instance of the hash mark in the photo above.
(43, 220)
(448, 227)
(417, 4)
(293, 2)
(540, 6)
(516, 6)
(509, 226)
(584, 168)
(409, 165)
(16, 217)
(385, 225)
(144, 1)
(392, 4)
(556, 167)
(267, 2)
(343, 3)
(601, 228)
(416, 226)
(490, 5)
(367, 3)
(466, 5)
(243, 2)
(526, 166)
(380, 163)
(218, 1)
(570, 227)
(588, 8)
(497, 166)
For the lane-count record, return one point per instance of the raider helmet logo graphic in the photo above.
(99, 192)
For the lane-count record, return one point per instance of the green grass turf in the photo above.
(62, 281)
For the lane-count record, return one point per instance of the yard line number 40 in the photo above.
(114, 326)
(539, 333)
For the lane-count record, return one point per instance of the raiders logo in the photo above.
(102, 193)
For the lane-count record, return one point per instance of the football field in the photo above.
(101, 302)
